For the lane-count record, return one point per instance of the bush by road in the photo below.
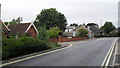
(16, 47)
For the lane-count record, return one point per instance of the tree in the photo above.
(51, 18)
(15, 21)
(53, 32)
(42, 35)
(74, 24)
(82, 32)
(108, 27)
(92, 24)
(19, 20)
(11, 22)
(6, 23)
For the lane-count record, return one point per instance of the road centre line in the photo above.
(107, 63)
(114, 58)
(109, 53)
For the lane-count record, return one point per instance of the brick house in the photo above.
(24, 28)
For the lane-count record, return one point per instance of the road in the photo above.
(82, 53)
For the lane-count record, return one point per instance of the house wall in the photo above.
(68, 34)
(32, 32)
(68, 30)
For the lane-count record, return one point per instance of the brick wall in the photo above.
(53, 40)
(65, 39)
(32, 32)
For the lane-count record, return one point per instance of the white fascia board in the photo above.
(33, 26)
(6, 26)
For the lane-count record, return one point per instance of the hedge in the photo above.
(17, 47)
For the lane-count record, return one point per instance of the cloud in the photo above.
(78, 11)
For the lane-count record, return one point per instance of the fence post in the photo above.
(59, 38)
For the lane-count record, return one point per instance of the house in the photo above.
(76, 30)
(72, 32)
(5, 30)
(69, 28)
(23, 28)
(69, 31)
(81, 26)
(95, 30)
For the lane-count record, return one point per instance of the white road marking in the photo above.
(70, 45)
(106, 61)
(33, 56)
(114, 58)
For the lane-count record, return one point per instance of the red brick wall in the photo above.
(32, 32)
(66, 39)
(53, 40)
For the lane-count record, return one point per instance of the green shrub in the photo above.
(10, 49)
(17, 47)
(53, 32)
(42, 35)
(82, 32)
(12, 37)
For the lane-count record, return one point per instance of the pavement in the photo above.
(117, 61)
(81, 53)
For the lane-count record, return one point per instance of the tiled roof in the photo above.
(18, 28)
(95, 29)
(77, 27)
(81, 26)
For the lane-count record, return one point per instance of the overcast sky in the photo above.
(76, 11)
